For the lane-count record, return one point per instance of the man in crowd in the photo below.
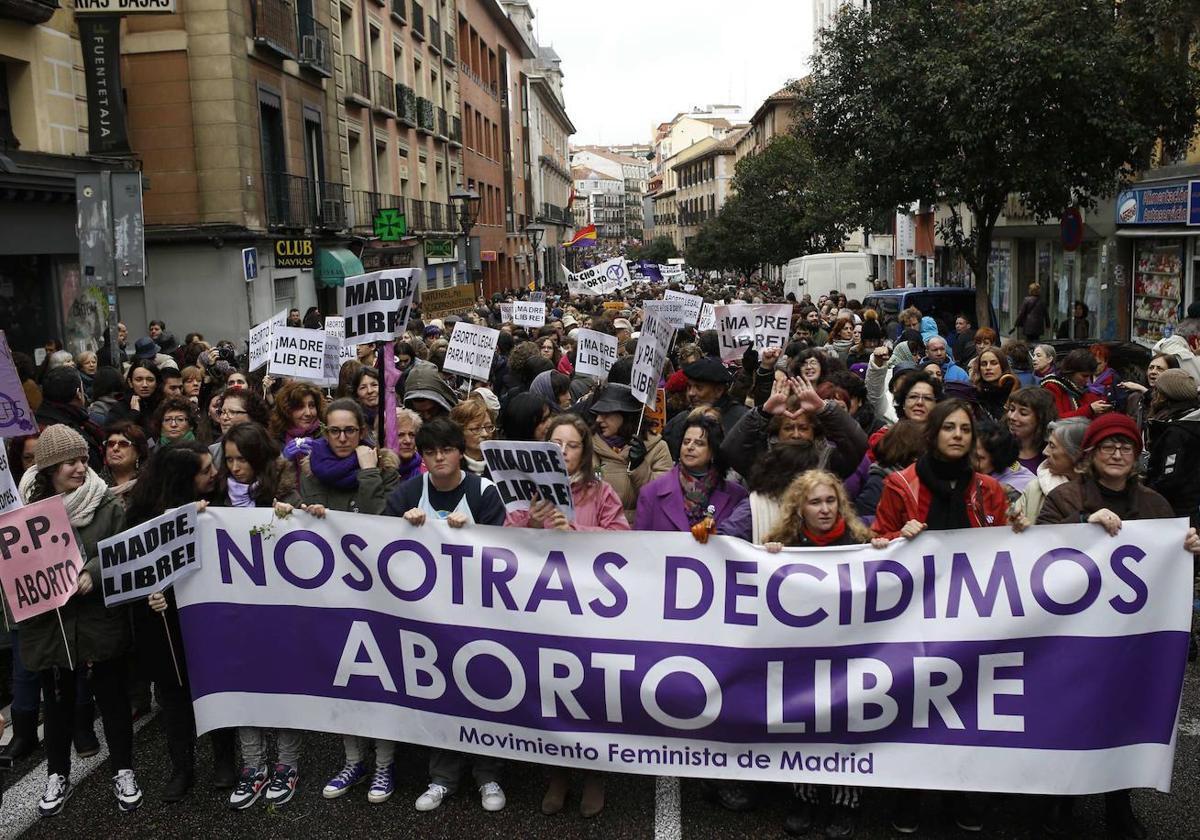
(708, 384)
(158, 334)
(936, 353)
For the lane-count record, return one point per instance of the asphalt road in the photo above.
(638, 807)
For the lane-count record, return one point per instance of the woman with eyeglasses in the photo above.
(1107, 493)
(473, 417)
(175, 420)
(344, 474)
(237, 405)
(125, 450)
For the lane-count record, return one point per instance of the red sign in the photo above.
(487, 256)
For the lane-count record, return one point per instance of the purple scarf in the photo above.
(332, 471)
(414, 467)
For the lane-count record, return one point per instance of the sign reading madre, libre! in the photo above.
(760, 326)
(39, 559)
(376, 306)
(471, 350)
(595, 353)
(298, 353)
(147, 559)
(529, 314)
(526, 472)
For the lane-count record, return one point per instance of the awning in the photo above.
(1158, 231)
(335, 265)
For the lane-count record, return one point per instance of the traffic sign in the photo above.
(1072, 229)
(250, 263)
(390, 224)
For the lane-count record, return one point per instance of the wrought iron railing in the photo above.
(357, 80)
(424, 115)
(406, 105)
(316, 47)
(385, 94)
(295, 202)
(275, 26)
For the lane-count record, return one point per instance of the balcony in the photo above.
(316, 50)
(424, 115)
(437, 216)
(406, 105)
(418, 21)
(385, 94)
(435, 36)
(296, 203)
(358, 84)
(275, 27)
(555, 214)
(442, 124)
(419, 220)
(456, 132)
(400, 10)
(450, 53)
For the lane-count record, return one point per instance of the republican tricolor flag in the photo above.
(584, 238)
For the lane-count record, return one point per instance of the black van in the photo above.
(942, 303)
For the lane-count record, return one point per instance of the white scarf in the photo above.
(81, 504)
(1049, 480)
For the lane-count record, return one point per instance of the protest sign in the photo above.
(16, 417)
(335, 325)
(652, 346)
(708, 318)
(602, 279)
(656, 417)
(298, 353)
(526, 472)
(260, 338)
(537, 297)
(760, 326)
(10, 493)
(669, 310)
(471, 350)
(376, 306)
(506, 313)
(692, 304)
(438, 303)
(528, 314)
(39, 558)
(147, 559)
(595, 353)
(1049, 662)
(671, 273)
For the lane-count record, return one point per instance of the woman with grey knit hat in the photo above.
(91, 637)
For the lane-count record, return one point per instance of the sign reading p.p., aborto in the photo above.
(298, 353)
(147, 559)
(471, 350)
(376, 305)
(527, 472)
(39, 558)
(760, 326)
(595, 353)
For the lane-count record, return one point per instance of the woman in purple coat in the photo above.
(682, 497)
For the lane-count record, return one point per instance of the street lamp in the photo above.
(535, 232)
(466, 202)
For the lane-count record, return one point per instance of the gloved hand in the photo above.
(637, 453)
(297, 448)
(750, 360)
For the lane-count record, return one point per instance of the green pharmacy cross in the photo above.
(390, 224)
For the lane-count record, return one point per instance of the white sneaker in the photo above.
(431, 798)
(491, 796)
(125, 786)
(58, 791)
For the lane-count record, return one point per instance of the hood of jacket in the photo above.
(424, 382)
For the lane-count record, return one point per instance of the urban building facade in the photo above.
(634, 172)
(704, 174)
(599, 201)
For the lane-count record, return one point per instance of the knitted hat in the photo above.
(1113, 424)
(57, 444)
(871, 330)
(1176, 385)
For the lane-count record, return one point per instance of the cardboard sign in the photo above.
(759, 326)
(376, 306)
(471, 350)
(506, 313)
(525, 472)
(260, 339)
(147, 559)
(39, 558)
(652, 347)
(529, 314)
(708, 318)
(16, 417)
(298, 353)
(692, 305)
(438, 303)
(595, 353)
(668, 310)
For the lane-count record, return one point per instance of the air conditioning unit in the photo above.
(312, 50)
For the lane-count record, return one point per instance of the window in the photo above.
(7, 138)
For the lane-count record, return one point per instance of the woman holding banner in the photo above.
(1107, 493)
(83, 635)
(175, 475)
(627, 457)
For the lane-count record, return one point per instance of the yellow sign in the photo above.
(657, 418)
(438, 303)
(294, 253)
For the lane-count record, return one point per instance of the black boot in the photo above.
(799, 818)
(178, 785)
(24, 740)
(86, 744)
(225, 769)
(1120, 819)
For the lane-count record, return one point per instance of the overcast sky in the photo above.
(631, 64)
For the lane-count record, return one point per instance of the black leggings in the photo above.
(107, 681)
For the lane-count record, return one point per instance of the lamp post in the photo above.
(466, 202)
(535, 232)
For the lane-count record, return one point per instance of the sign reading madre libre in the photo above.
(526, 472)
(760, 326)
(147, 559)
(377, 305)
(298, 353)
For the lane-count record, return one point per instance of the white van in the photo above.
(820, 274)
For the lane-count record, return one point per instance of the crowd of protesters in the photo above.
(858, 431)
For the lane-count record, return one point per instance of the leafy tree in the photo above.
(659, 250)
(962, 102)
(727, 242)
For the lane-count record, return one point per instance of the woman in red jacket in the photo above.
(1070, 386)
(941, 491)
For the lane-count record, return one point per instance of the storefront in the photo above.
(1162, 221)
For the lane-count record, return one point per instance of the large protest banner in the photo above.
(471, 350)
(39, 558)
(1049, 662)
(526, 472)
(610, 276)
(376, 306)
(150, 557)
(595, 353)
(760, 326)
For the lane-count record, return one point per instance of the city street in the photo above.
(638, 807)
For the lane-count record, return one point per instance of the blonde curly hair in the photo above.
(790, 531)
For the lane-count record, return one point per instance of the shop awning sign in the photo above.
(1171, 204)
(1194, 203)
(124, 7)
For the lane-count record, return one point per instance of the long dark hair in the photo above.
(254, 444)
(520, 418)
(933, 426)
(714, 435)
(166, 481)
